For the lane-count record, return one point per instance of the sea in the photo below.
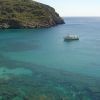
(37, 64)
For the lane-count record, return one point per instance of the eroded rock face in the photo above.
(27, 14)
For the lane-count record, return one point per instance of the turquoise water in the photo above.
(37, 64)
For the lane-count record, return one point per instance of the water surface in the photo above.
(36, 64)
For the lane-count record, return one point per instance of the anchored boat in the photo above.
(71, 37)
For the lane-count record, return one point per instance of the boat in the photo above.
(71, 37)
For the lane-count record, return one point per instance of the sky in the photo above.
(75, 7)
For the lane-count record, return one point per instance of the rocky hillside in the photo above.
(27, 14)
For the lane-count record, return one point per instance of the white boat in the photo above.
(71, 37)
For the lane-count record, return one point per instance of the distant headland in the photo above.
(27, 14)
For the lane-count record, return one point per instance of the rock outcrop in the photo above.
(27, 14)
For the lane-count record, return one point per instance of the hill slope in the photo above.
(27, 14)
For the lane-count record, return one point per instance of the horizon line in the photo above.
(80, 16)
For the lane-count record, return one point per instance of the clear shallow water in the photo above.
(36, 64)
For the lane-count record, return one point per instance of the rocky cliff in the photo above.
(27, 14)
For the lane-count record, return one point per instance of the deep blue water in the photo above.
(38, 64)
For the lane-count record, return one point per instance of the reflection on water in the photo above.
(13, 45)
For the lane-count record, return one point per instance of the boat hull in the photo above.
(71, 38)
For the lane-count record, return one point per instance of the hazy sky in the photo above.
(75, 7)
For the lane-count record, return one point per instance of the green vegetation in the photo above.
(27, 14)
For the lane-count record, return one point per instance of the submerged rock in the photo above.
(27, 14)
